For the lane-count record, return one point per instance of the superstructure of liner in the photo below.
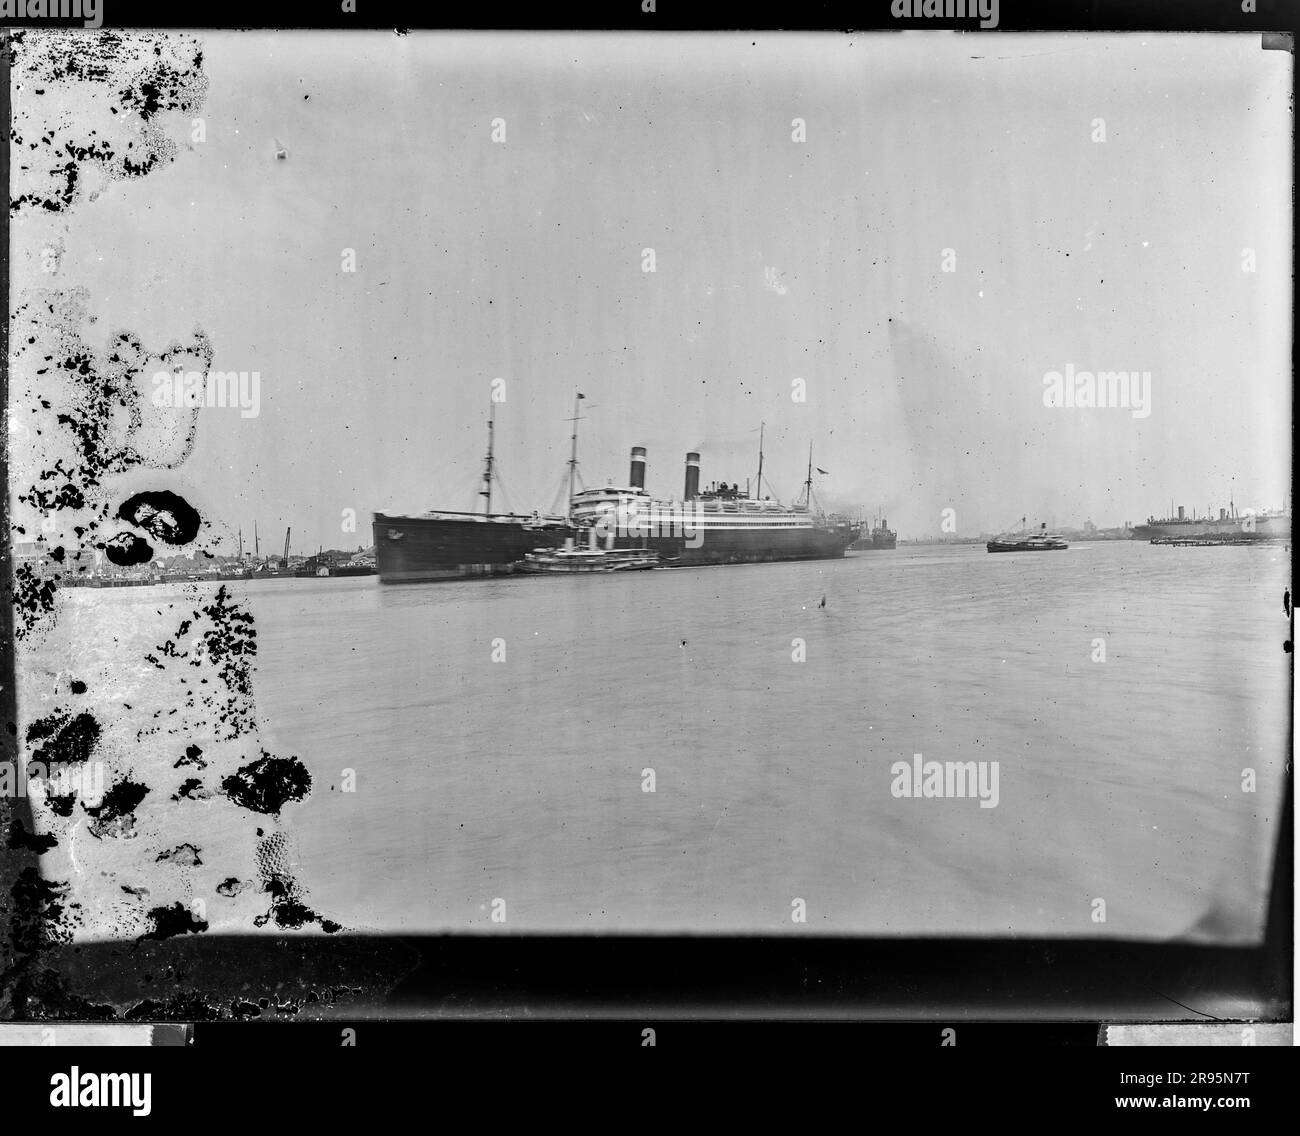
(718, 525)
(1229, 526)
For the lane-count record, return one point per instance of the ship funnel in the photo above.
(692, 477)
(1223, 514)
(636, 478)
(1180, 512)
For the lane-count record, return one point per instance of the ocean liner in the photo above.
(1229, 526)
(717, 525)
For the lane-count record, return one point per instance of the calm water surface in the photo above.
(522, 779)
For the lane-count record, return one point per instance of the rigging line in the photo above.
(505, 493)
(557, 503)
(472, 492)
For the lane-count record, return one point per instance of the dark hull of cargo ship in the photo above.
(451, 546)
(750, 546)
(874, 543)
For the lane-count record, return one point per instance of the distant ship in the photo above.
(880, 537)
(1041, 541)
(1229, 526)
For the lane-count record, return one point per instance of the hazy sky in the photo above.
(775, 260)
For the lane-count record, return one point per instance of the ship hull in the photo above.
(442, 547)
(751, 546)
(1023, 546)
(1242, 528)
(417, 549)
(874, 544)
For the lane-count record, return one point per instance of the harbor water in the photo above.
(491, 745)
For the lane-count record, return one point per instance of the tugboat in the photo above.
(1041, 541)
(543, 561)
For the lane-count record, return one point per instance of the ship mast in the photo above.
(573, 458)
(759, 484)
(486, 491)
(807, 485)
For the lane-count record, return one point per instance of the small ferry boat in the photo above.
(1041, 541)
(570, 559)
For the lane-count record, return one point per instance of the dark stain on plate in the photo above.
(67, 738)
(174, 920)
(127, 550)
(20, 838)
(165, 515)
(268, 784)
(114, 816)
(80, 410)
(59, 158)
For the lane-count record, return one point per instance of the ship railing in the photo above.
(439, 514)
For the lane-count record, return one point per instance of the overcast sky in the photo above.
(775, 260)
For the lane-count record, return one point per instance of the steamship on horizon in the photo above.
(879, 536)
(1228, 527)
(717, 525)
